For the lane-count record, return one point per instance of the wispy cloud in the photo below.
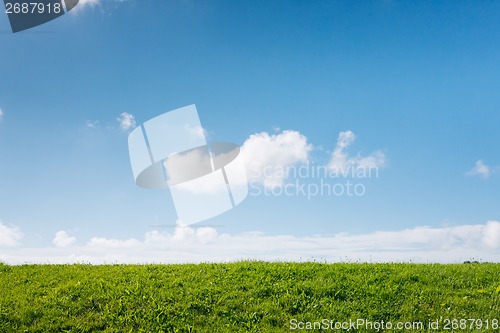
(341, 162)
(82, 4)
(1, 114)
(91, 3)
(206, 244)
(480, 169)
(92, 124)
(266, 156)
(196, 131)
(63, 239)
(9, 236)
(126, 121)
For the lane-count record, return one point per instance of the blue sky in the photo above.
(415, 82)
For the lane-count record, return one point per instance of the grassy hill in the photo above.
(250, 297)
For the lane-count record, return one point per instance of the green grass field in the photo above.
(249, 297)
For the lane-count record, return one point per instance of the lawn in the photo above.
(250, 297)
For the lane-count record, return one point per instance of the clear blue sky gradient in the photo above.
(418, 80)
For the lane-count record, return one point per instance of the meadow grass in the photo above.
(245, 296)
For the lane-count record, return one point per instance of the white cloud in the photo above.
(182, 233)
(266, 156)
(197, 132)
(92, 124)
(491, 234)
(480, 169)
(62, 239)
(9, 236)
(82, 4)
(101, 242)
(269, 161)
(1, 114)
(126, 121)
(89, 2)
(205, 244)
(206, 234)
(342, 163)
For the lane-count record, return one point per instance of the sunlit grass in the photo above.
(240, 297)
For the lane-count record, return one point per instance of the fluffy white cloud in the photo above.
(269, 161)
(62, 239)
(342, 163)
(9, 236)
(186, 245)
(266, 156)
(491, 234)
(480, 169)
(126, 121)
